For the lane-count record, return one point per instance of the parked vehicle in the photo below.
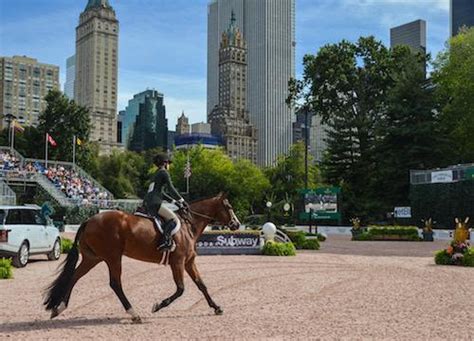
(24, 231)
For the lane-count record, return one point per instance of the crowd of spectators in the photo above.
(66, 179)
(8, 161)
(72, 184)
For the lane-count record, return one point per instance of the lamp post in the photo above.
(269, 206)
(306, 143)
(9, 119)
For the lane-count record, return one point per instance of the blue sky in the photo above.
(163, 42)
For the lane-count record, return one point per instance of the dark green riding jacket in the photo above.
(154, 198)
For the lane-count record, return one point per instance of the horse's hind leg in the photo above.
(115, 271)
(87, 263)
(193, 272)
(178, 274)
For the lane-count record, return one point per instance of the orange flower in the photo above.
(449, 250)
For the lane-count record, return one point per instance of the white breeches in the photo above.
(168, 214)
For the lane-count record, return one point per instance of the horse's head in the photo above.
(225, 213)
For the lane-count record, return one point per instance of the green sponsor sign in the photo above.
(320, 203)
(320, 215)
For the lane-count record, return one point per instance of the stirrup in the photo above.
(163, 248)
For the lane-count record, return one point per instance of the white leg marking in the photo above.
(61, 307)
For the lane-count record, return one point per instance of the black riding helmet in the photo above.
(160, 159)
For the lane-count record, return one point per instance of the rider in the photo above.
(154, 199)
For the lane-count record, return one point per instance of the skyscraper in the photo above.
(135, 108)
(230, 118)
(316, 135)
(462, 14)
(96, 70)
(24, 82)
(70, 77)
(412, 34)
(268, 27)
(150, 129)
(182, 127)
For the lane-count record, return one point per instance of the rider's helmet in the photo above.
(160, 159)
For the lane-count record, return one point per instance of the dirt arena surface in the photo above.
(347, 290)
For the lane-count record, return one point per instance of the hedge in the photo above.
(66, 245)
(279, 249)
(301, 242)
(6, 269)
(409, 233)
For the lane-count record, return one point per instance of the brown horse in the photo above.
(110, 235)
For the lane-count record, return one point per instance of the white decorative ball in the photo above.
(269, 230)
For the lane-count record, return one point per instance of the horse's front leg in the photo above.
(178, 274)
(193, 272)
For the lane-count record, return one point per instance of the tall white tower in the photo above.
(96, 70)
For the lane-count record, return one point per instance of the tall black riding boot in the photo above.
(166, 242)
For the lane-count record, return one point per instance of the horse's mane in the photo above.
(204, 199)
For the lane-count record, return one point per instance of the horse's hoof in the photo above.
(58, 310)
(137, 319)
(54, 313)
(155, 308)
(218, 311)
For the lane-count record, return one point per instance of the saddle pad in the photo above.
(153, 219)
(157, 222)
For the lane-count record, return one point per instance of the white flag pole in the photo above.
(13, 136)
(46, 152)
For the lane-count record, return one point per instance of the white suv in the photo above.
(24, 232)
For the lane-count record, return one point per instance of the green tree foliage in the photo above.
(122, 173)
(381, 117)
(346, 84)
(288, 174)
(63, 119)
(409, 134)
(213, 171)
(455, 87)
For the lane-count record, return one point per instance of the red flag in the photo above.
(51, 140)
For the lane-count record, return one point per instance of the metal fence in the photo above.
(7, 195)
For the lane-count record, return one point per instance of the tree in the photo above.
(454, 81)
(122, 173)
(346, 84)
(287, 177)
(409, 135)
(213, 172)
(63, 119)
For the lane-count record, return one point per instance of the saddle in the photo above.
(157, 222)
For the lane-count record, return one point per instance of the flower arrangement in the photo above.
(428, 225)
(459, 251)
(355, 223)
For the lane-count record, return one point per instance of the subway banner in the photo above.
(321, 204)
(223, 242)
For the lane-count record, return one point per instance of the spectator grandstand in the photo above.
(76, 185)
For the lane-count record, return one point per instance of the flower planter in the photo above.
(428, 236)
(356, 233)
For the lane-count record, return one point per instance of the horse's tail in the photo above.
(57, 291)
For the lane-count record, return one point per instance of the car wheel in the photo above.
(56, 251)
(21, 259)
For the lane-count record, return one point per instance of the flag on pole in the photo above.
(18, 127)
(78, 141)
(51, 140)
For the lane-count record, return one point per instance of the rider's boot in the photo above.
(166, 241)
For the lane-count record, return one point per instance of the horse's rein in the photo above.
(200, 214)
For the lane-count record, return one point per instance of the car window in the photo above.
(32, 217)
(38, 218)
(14, 217)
